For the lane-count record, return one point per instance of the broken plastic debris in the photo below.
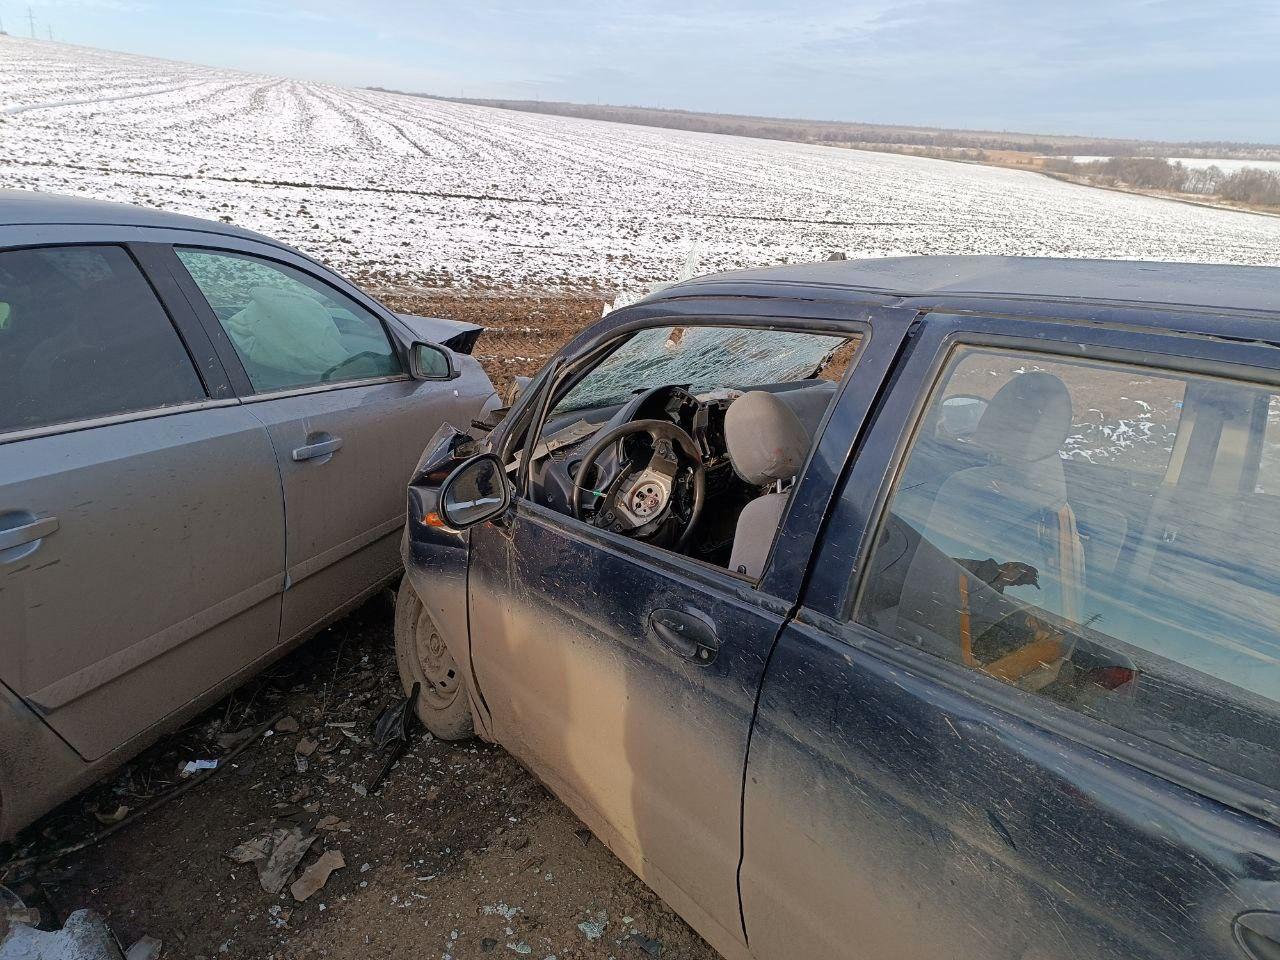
(317, 875)
(147, 948)
(391, 732)
(83, 937)
(275, 854)
(196, 766)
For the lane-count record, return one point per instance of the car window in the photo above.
(1103, 535)
(82, 335)
(704, 358)
(288, 328)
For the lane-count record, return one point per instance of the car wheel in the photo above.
(423, 657)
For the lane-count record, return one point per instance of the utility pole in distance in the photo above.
(31, 22)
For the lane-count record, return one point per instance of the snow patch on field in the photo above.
(408, 190)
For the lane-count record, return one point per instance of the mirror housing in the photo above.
(476, 491)
(430, 361)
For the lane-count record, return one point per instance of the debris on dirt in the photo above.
(197, 766)
(593, 927)
(286, 725)
(83, 937)
(146, 948)
(233, 739)
(276, 855)
(391, 733)
(650, 946)
(14, 910)
(317, 875)
(115, 816)
(306, 747)
(435, 837)
(583, 835)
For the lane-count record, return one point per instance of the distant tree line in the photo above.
(1252, 186)
(876, 136)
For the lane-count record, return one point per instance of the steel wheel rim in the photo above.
(438, 670)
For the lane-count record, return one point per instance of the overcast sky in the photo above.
(1164, 69)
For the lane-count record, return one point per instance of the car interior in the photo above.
(288, 329)
(1146, 598)
(703, 466)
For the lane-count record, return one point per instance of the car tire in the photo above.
(443, 706)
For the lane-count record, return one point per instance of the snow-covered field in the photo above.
(419, 191)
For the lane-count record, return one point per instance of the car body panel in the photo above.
(164, 580)
(130, 607)
(946, 815)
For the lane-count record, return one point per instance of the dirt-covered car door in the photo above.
(625, 675)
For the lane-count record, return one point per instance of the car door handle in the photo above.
(688, 635)
(321, 448)
(28, 532)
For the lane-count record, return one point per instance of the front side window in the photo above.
(82, 335)
(692, 438)
(289, 329)
(1104, 535)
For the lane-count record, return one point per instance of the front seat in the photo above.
(767, 443)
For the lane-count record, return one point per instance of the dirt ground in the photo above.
(460, 854)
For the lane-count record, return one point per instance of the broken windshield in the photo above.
(705, 358)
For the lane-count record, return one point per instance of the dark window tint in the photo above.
(82, 335)
(289, 329)
(1102, 535)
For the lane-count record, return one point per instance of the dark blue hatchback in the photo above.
(923, 607)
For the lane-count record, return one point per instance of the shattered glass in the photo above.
(702, 357)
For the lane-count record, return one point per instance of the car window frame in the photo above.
(179, 322)
(226, 350)
(882, 329)
(864, 492)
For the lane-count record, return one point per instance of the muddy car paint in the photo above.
(881, 804)
(189, 625)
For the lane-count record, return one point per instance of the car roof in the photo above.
(1061, 287)
(28, 208)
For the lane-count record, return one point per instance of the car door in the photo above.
(141, 522)
(579, 651)
(966, 747)
(318, 367)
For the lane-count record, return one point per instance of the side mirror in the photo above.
(428, 361)
(476, 491)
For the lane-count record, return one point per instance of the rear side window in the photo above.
(289, 329)
(82, 335)
(1102, 535)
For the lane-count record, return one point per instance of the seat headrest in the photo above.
(1027, 420)
(765, 439)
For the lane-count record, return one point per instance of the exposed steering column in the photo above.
(639, 501)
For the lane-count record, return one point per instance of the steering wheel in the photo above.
(638, 501)
(362, 355)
